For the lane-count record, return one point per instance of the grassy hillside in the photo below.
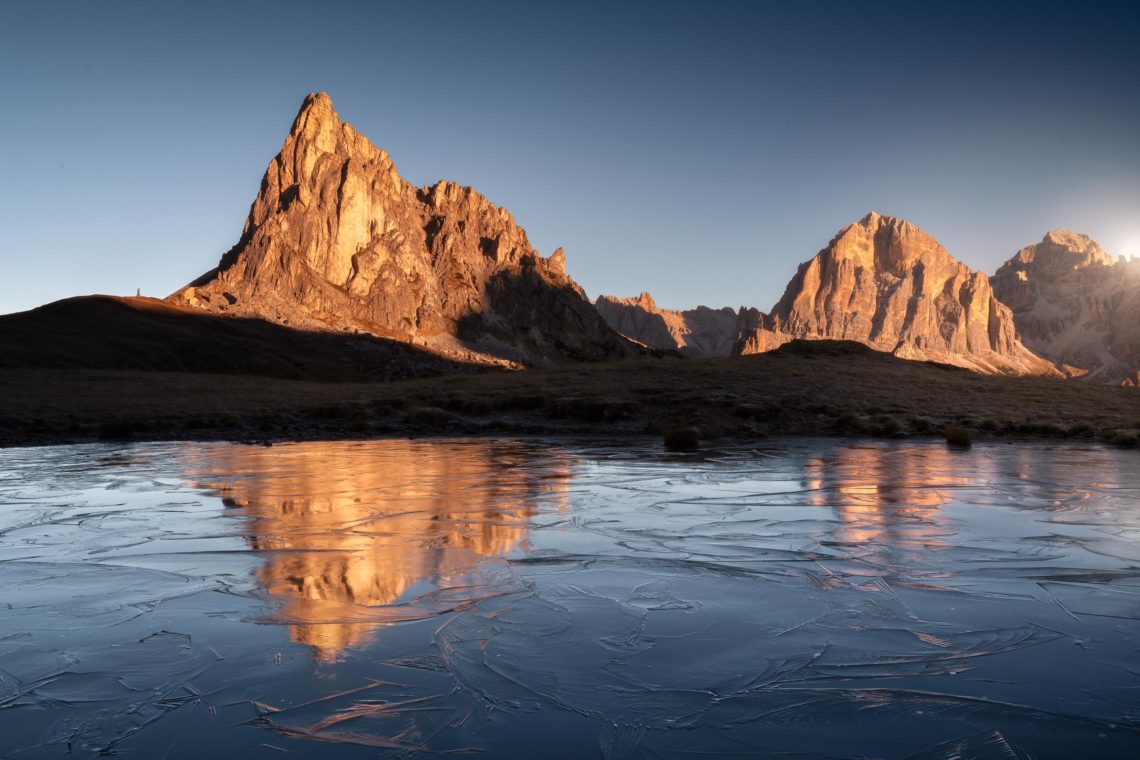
(825, 388)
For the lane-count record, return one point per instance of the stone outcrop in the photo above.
(337, 240)
(693, 332)
(1076, 304)
(885, 283)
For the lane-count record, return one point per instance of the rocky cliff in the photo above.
(1075, 304)
(337, 240)
(887, 284)
(693, 332)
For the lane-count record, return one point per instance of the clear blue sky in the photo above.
(698, 151)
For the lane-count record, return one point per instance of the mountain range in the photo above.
(693, 332)
(337, 245)
(1059, 307)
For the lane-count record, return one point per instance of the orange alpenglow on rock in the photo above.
(351, 546)
(337, 241)
(693, 332)
(1076, 304)
(887, 284)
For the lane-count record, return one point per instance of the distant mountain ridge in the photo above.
(693, 332)
(1076, 304)
(337, 243)
(337, 240)
(886, 283)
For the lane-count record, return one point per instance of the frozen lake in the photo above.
(811, 598)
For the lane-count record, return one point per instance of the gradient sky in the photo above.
(698, 151)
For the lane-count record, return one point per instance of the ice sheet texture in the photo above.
(532, 599)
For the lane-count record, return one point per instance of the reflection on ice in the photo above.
(525, 599)
(887, 499)
(355, 536)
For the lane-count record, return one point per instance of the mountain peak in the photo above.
(316, 108)
(875, 219)
(1061, 248)
(1074, 304)
(1076, 243)
(336, 240)
(879, 242)
(888, 284)
(1066, 237)
(317, 97)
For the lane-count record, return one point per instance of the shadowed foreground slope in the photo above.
(813, 388)
(109, 333)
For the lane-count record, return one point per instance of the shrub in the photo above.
(1123, 439)
(119, 430)
(358, 423)
(922, 425)
(956, 435)
(847, 422)
(522, 401)
(1044, 429)
(886, 426)
(765, 410)
(332, 411)
(590, 410)
(682, 439)
(1081, 430)
(748, 411)
(428, 415)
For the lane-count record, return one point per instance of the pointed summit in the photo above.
(880, 242)
(1061, 249)
(318, 129)
(316, 110)
(646, 301)
(874, 221)
(1082, 246)
(337, 240)
(317, 99)
(888, 284)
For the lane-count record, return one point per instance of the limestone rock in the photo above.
(887, 284)
(337, 240)
(693, 332)
(1075, 304)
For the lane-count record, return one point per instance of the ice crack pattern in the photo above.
(542, 598)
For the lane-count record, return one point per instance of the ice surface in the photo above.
(531, 599)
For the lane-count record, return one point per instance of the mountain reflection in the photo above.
(359, 535)
(887, 498)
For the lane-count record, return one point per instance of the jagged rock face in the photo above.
(1075, 304)
(887, 284)
(693, 332)
(337, 240)
(754, 334)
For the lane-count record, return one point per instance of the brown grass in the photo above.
(855, 393)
